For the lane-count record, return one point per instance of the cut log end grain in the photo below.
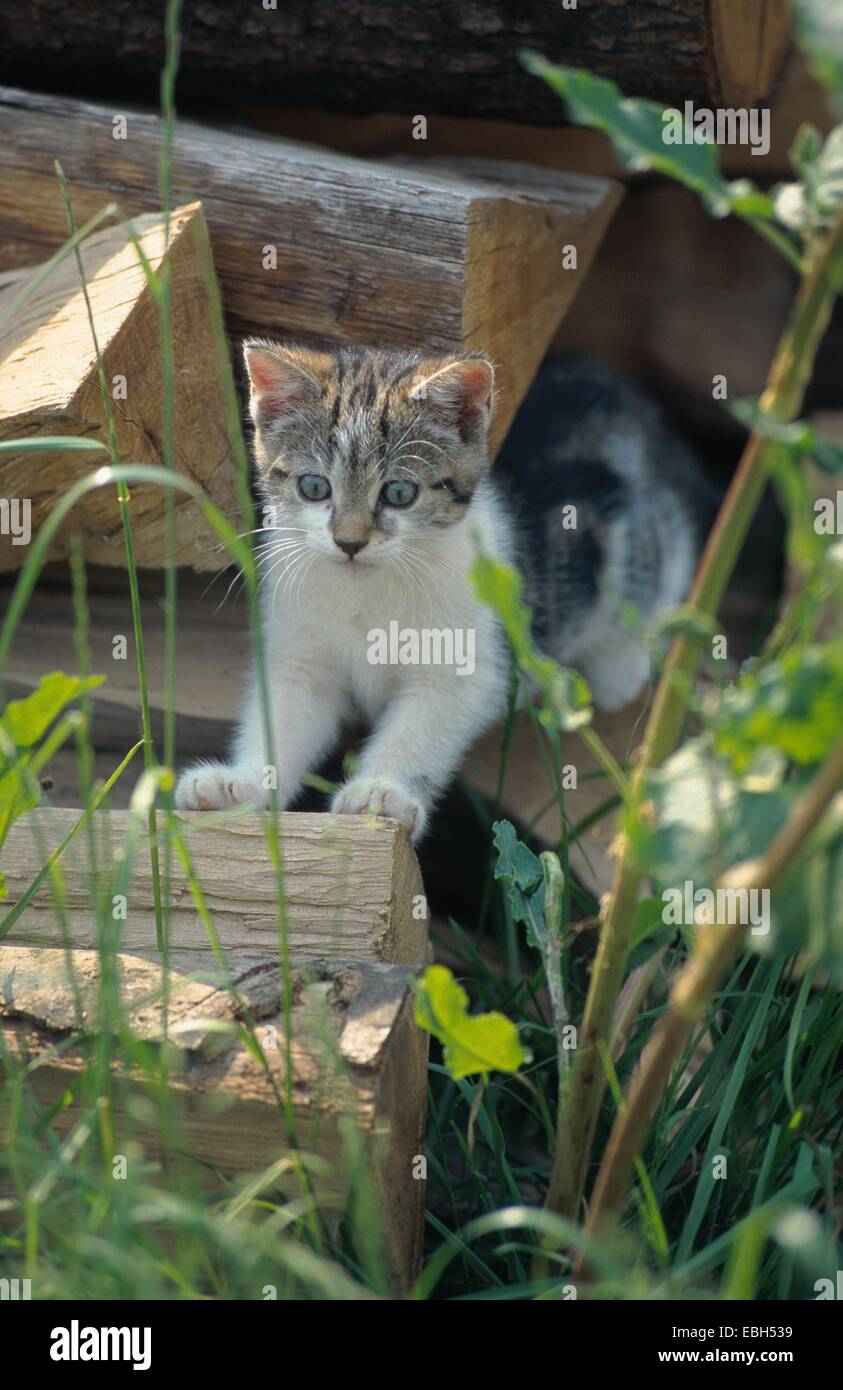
(354, 1049)
(49, 386)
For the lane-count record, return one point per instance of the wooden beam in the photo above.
(747, 42)
(366, 253)
(399, 55)
(355, 1049)
(352, 886)
(213, 658)
(49, 386)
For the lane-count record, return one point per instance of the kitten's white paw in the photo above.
(617, 676)
(377, 797)
(215, 786)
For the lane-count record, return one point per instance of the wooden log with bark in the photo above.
(49, 386)
(399, 55)
(352, 886)
(324, 247)
(355, 1050)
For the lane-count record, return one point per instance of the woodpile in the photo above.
(317, 246)
(293, 241)
(49, 386)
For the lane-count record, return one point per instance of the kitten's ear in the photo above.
(460, 392)
(280, 385)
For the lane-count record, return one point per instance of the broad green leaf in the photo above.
(794, 705)
(703, 819)
(521, 871)
(566, 695)
(27, 720)
(641, 133)
(472, 1045)
(17, 795)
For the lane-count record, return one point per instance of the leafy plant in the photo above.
(25, 748)
(474, 1045)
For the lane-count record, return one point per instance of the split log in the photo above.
(49, 386)
(355, 1050)
(365, 253)
(352, 886)
(398, 55)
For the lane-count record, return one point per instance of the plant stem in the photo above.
(716, 946)
(123, 500)
(789, 374)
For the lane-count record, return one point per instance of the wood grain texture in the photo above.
(397, 55)
(366, 253)
(213, 660)
(355, 1051)
(349, 885)
(747, 45)
(49, 386)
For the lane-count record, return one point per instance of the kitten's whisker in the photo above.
(224, 599)
(303, 575)
(400, 441)
(269, 550)
(285, 560)
(258, 531)
(428, 442)
(396, 561)
(419, 583)
(399, 458)
(290, 565)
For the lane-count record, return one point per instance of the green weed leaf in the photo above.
(472, 1045)
(26, 721)
(521, 872)
(641, 131)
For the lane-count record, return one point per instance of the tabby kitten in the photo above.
(374, 470)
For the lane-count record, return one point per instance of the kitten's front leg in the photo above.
(414, 751)
(305, 718)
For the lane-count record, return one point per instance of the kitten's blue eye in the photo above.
(313, 487)
(398, 493)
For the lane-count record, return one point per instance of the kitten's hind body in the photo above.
(588, 447)
(375, 473)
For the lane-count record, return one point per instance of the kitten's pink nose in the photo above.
(350, 548)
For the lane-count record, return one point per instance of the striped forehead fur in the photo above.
(366, 416)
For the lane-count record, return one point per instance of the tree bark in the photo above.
(443, 57)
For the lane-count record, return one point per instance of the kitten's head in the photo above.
(361, 452)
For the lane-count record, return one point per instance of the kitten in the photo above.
(375, 473)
